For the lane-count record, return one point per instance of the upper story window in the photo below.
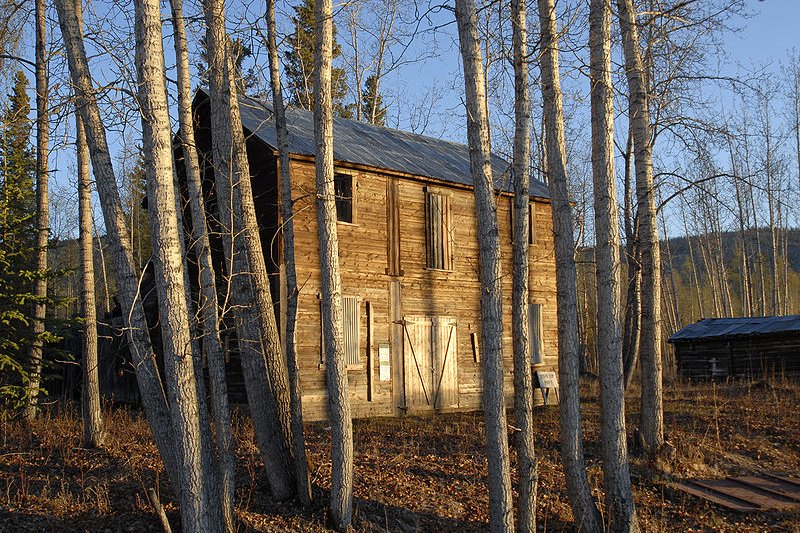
(438, 231)
(343, 187)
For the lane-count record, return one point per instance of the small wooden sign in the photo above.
(383, 358)
(546, 381)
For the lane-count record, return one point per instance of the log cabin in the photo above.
(742, 347)
(409, 261)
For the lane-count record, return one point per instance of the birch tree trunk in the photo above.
(42, 211)
(341, 504)
(168, 261)
(652, 411)
(287, 225)
(93, 435)
(580, 494)
(616, 471)
(154, 398)
(263, 366)
(527, 465)
(501, 511)
(208, 305)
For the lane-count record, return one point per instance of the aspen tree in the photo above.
(42, 211)
(580, 495)
(501, 512)
(341, 504)
(263, 366)
(527, 468)
(616, 471)
(169, 273)
(208, 304)
(287, 229)
(652, 410)
(154, 398)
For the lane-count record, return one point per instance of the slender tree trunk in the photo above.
(341, 504)
(501, 512)
(263, 366)
(169, 273)
(527, 465)
(208, 305)
(616, 471)
(153, 396)
(42, 211)
(652, 411)
(580, 494)
(633, 296)
(287, 225)
(93, 435)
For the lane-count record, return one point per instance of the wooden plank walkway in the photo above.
(747, 493)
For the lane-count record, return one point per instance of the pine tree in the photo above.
(17, 238)
(299, 66)
(372, 102)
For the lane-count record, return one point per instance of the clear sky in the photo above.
(774, 29)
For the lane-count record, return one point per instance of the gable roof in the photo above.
(737, 327)
(377, 146)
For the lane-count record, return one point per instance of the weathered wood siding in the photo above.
(743, 357)
(365, 252)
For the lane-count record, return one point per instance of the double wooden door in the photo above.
(430, 362)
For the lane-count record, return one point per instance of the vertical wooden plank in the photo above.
(396, 347)
(368, 306)
(447, 363)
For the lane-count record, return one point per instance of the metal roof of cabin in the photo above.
(377, 146)
(716, 328)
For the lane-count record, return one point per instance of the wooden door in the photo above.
(430, 362)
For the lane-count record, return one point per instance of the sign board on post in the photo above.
(546, 381)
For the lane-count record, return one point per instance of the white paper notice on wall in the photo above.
(383, 357)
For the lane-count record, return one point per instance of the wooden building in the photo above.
(409, 261)
(718, 348)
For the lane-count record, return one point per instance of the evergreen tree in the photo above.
(246, 81)
(299, 64)
(134, 200)
(372, 102)
(17, 238)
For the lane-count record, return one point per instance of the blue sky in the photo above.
(763, 39)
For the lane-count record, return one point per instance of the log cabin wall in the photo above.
(406, 297)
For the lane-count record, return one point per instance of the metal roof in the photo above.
(736, 327)
(377, 146)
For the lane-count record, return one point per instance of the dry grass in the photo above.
(412, 474)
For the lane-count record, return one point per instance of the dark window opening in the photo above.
(343, 187)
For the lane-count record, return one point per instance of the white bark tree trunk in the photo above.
(652, 411)
(93, 436)
(263, 366)
(527, 465)
(616, 471)
(208, 305)
(580, 494)
(287, 225)
(169, 272)
(153, 397)
(341, 504)
(501, 512)
(42, 211)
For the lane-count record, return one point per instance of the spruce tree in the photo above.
(17, 239)
(299, 64)
(372, 102)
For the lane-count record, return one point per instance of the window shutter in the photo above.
(350, 329)
(438, 231)
(535, 333)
